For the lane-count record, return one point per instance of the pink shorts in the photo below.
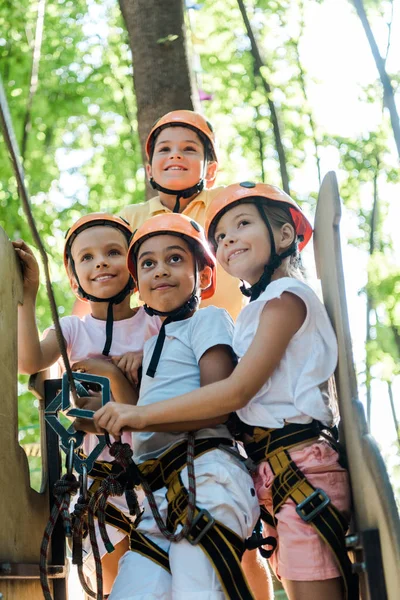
(301, 555)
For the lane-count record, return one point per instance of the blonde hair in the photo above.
(279, 215)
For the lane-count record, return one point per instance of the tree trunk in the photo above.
(162, 78)
(388, 92)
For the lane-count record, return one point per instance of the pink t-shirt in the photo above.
(85, 338)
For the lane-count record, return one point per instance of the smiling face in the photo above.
(166, 272)
(243, 246)
(99, 255)
(178, 159)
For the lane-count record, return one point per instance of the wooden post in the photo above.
(376, 537)
(23, 511)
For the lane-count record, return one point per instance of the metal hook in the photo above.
(84, 482)
(70, 457)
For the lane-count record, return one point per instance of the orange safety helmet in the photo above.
(174, 224)
(94, 220)
(244, 192)
(185, 118)
(98, 220)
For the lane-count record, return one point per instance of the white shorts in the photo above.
(225, 489)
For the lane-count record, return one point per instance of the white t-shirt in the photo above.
(178, 372)
(296, 391)
(85, 338)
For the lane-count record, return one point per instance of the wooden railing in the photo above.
(377, 525)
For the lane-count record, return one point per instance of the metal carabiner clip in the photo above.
(84, 482)
(69, 463)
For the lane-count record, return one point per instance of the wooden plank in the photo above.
(374, 502)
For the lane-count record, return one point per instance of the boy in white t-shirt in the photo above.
(287, 352)
(95, 259)
(171, 262)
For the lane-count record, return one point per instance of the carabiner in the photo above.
(69, 463)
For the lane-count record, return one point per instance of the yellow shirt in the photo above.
(228, 294)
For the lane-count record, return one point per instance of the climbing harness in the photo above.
(312, 504)
(223, 546)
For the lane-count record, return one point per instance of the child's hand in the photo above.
(129, 363)
(114, 417)
(91, 402)
(30, 267)
(86, 425)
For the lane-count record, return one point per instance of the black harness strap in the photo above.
(160, 471)
(144, 546)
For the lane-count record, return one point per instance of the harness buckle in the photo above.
(209, 523)
(301, 507)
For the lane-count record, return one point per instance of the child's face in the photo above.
(99, 255)
(243, 246)
(178, 159)
(166, 272)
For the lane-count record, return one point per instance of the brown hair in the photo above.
(279, 215)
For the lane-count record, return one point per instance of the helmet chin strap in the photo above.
(178, 314)
(175, 315)
(186, 193)
(112, 300)
(275, 261)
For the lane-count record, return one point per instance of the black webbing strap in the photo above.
(159, 471)
(267, 441)
(223, 546)
(314, 507)
(144, 546)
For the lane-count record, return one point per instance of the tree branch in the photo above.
(34, 74)
(388, 92)
(258, 64)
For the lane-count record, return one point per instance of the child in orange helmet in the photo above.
(173, 267)
(182, 166)
(95, 259)
(279, 394)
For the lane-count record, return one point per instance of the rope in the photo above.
(64, 488)
(80, 519)
(13, 149)
(176, 537)
(111, 486)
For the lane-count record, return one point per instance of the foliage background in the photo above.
(82, 150)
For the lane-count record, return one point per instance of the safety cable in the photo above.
(12, 145)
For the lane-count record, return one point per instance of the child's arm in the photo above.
(33, 355)
(279, 321)
(215, 364)
(122, 390)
